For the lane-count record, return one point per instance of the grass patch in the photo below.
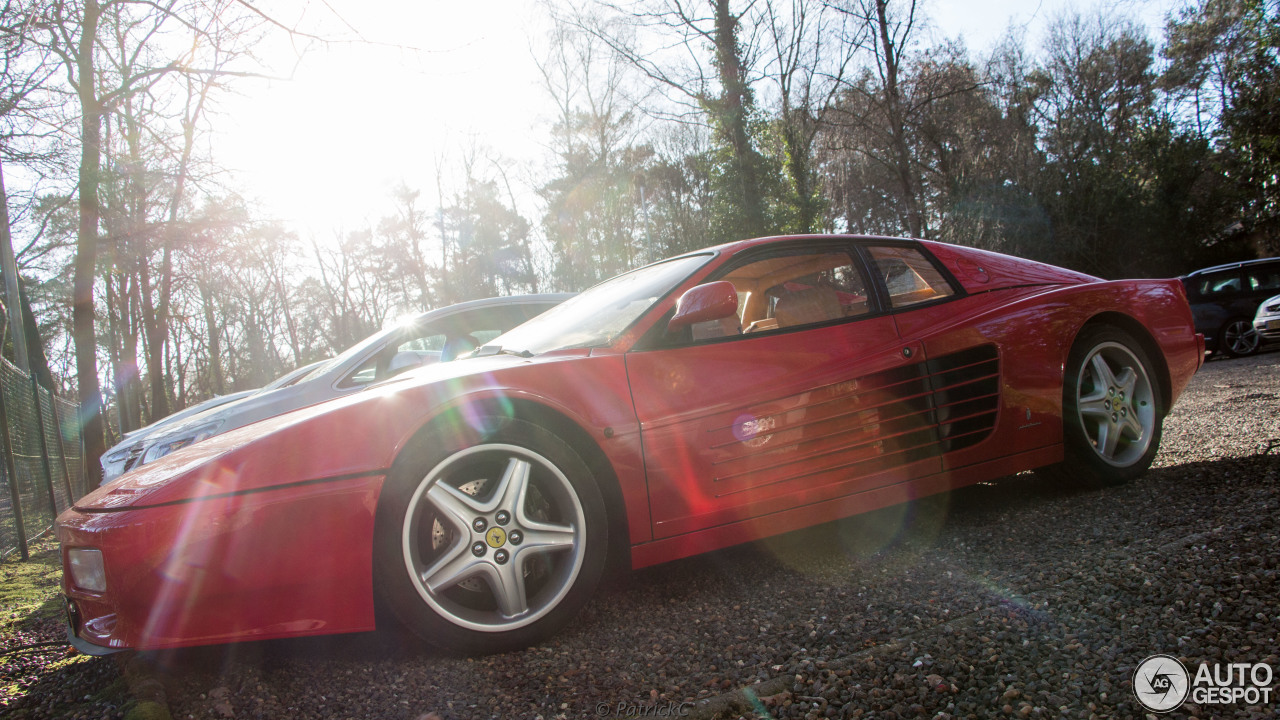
(29, 590)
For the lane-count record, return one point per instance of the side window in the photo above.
(802, 287)
(419, 350)
(482, 337)
(406, 353)
(1220, 283)
(1265, 277)
(426, 344)
(364, 374)
(909, 276)
(442, 340)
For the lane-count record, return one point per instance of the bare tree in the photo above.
(113, 51)
(593, 199)
(809, 50)
(403, 239)
(25, 138)
(704, 55)
(882, 107)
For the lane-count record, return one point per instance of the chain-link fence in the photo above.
(42, 472)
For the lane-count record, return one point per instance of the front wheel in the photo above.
(1112, 408)
(492, 544)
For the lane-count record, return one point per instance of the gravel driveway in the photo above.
(1017, 598)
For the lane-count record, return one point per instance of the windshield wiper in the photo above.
(487, 350)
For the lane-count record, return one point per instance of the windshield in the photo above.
(598, 316)
(293, 376)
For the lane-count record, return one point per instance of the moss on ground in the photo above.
(53, 681)
(29, 589)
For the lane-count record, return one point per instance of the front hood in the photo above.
(358, 434)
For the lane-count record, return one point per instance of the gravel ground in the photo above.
(1016, 598)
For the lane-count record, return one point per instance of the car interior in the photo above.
(785, 291)
(781, 292)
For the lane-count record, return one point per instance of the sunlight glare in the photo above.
(322, 151)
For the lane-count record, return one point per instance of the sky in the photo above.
(322, 150)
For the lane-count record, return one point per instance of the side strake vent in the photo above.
(966, 395)
(862, 426)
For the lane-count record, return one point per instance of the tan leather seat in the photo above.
(808, 306)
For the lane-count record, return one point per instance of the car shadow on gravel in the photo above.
(899, 535)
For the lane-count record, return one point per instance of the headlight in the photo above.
(87, 570)
(166, 446)
(117, 456)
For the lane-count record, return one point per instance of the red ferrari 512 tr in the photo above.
(710, 399)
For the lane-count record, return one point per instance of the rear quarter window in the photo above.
(909, 276)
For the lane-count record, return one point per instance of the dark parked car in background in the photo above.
(1224, 300)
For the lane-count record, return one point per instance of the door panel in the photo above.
(742, 428)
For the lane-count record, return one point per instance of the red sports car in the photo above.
(710, 399)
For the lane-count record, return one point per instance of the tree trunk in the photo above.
(154, 332)
(157, 328)
(734, 108)
(35, 346)
(897, 124)
(799, 157)
(115, 354)
(217, 383)
(132, 395)
(86, 260)
(291, 328)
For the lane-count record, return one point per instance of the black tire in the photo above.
(1112, 409)
(540, 549)
(1238, 338)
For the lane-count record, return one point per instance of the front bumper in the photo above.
(73, 625)
(279, 562)
(1268, 329)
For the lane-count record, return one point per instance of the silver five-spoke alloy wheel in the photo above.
(493, 537)
(1116, 404)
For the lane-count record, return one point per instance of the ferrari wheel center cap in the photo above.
(495, 537)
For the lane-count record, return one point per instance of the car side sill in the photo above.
(722, 536)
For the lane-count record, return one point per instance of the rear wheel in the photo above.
(1239, 338)
(1112, 411)
(493, 544)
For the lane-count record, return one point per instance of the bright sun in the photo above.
(323, 150)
